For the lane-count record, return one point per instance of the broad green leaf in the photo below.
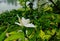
(48, 32)
(41, 34)
(47, 8)
(58, 34)
(15, 35)
(32, 35)
(53, 31)
(47, 37)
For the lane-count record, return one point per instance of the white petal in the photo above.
(29, 25)
(28, 20)
(18, 23)
(24, 22)
(23, 18)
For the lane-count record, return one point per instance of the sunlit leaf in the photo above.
(42, 34)
(15, 35)
(53, 31)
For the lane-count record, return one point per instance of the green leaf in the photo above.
(2, 36)
(41, 34)
(15, 35)
(47, 37)
(53, 31)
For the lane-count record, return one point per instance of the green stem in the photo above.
(25, 6)
(24, 30)
(38, 4)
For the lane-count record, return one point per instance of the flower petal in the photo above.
(24, 21)
(18, 23)
(28, 20)
(29, 25)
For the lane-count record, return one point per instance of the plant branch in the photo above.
(55, 5)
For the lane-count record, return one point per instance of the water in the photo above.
(12, 4)
(9, 5)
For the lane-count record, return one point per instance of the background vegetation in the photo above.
(46, 18)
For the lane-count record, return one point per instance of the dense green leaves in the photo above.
(2, 36)
(46, 23)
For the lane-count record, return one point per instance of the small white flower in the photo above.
(24, 22)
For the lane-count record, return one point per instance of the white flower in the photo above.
(24, 22)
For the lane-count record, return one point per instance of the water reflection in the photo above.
(13, 2)
(9, 5)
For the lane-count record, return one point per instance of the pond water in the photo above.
(14, 4)
(9, 5)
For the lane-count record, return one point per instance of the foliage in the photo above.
(15, 35)
(46, 22)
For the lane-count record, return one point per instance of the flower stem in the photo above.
(24, 30)
(25, 6)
